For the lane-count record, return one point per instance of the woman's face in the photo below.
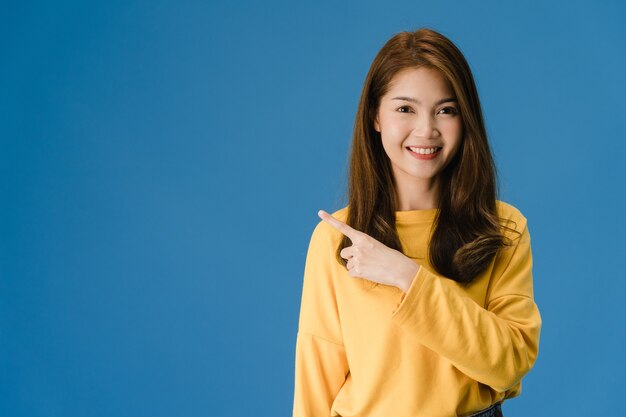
(419, 111)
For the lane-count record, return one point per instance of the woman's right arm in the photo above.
(321, 365)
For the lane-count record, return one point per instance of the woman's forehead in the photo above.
(420, 84)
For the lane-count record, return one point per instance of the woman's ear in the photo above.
(376, 124)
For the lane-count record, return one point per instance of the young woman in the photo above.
(417, 297)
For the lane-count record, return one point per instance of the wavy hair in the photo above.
(467, 231)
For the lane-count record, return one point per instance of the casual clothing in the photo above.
(493, 411)
(439, 349)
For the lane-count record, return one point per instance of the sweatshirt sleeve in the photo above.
(496, 345)
(321, 365)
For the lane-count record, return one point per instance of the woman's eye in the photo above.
(404, 108)
(450, 110)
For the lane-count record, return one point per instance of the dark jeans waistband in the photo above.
(493, 411)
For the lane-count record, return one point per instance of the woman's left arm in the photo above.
(496, 345)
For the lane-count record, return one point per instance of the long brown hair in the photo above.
(467, 231)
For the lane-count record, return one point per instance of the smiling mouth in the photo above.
(424, 151)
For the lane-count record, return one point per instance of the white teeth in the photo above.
(424, 151)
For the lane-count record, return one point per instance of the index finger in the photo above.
(339, 225)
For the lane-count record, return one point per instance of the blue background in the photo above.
(163, 164)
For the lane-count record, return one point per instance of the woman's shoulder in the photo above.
(511, 216)
(325, 231)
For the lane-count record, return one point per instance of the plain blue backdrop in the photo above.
(163, 163)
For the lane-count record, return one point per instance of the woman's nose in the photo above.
(424, 127)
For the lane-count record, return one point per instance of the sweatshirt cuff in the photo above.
(408, 301)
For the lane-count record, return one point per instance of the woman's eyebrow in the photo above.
(414, 100)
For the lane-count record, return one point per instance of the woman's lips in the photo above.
(424, 156)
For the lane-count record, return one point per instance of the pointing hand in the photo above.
(370, 259)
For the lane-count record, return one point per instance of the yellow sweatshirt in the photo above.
(438, 350)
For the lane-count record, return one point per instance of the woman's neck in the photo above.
(417, 196)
